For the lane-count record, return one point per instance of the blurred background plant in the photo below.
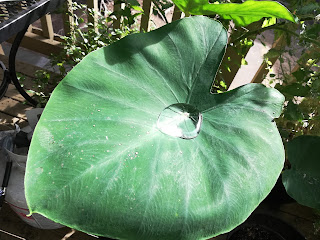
(85, 37)
(300, 83)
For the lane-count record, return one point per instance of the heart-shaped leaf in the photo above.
(132, 145)
(242, 13)
(302, 180)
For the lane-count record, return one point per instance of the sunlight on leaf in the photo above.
(110, 168)
(241, 13)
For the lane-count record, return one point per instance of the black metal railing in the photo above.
(15, 17)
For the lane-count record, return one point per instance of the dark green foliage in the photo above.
(83, 39)
(302, 180)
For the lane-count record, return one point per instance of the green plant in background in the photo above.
(299, 123)
(302, 91)
(21, 78)
(128, 14)
(85, 38)
(301, 84)
(43, 86)
(134, 147)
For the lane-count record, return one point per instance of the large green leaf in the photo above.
(99, 163)
(302, 180)
(242, 13)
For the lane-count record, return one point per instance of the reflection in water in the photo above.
(180, 120)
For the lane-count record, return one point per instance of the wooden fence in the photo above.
(45, 41)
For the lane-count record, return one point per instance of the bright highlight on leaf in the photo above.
(109, 167)
(241, 13)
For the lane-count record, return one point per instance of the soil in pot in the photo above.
(264, 227)
(254, 232)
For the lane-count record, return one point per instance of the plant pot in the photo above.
(14, 145)
(264, 227)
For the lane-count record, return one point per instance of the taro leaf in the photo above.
(98, 162)
(302, 180)
(242, 13)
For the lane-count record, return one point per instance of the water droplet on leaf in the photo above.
(180, 120)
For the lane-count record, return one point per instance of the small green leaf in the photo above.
(223, 84)
(269, 21)
(292, 112)
(302, 180)
(295, 89)
(269, 63)
(272, 53)
(243, 14)
(300, 75)
(137, 8)
(309, 8)
(313, 31)
(244, 62)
